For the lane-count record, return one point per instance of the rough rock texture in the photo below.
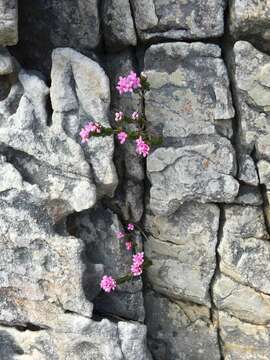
(161, 19)
(179, 330)
(8, 22)
(92, 340)
(176, 249)
(250, 19)
(205, 212)
(118, 25)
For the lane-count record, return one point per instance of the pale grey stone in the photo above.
(80, 93)
(247, 170)
(179, 330)
(252, 96)
(250, 18)
(264, 173)
(241, 301)
(94, 340)
(242, 340)
(182, 249)
(8, 22)
(189, 90)
(244, 248)
(98, 227)
(36, 284)
(118, 26)
(202, 172)
(162, 19)
(6, 65)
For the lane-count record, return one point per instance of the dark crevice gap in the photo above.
(214, 316)
(24, 327)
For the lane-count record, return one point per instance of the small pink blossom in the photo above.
(128, 83)
(120, 234)
(136, 270)
(84, 134)
(108, 284)
(130, 227)
(135, 115)
(128, 245)
(122, 137)
(141, 147)
(119, 116)
(137, 266)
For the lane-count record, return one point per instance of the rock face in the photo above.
(159, 19)
(175, 249)
(201, 199)
(8, 21)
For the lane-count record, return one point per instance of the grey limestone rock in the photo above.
(247, 170)
(189, 93)
(241, 301)
(250, 69)
(202, 172)
(250, 19)
(118, 26)
(242, 340)
(179, 330)
(244, 248)
(182, 248)
(8, 22)
(94, 340)
(178, 20)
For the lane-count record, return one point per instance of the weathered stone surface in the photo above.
(8, 22)
(47, 24)
(41, 272)
(95, 340)
(247, 170)
(88, 99)
(252, 95)
(241, 301)
(179, 330)
(243, 249)
(98, 227)
(182, 248)
(160, 19)
(118, 26)
(202, 172)
(189, 89)
(129, 195)
(242, 340)
(250, 18)
(249, 195)
(6, 65)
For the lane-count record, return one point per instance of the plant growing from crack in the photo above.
(128, 128)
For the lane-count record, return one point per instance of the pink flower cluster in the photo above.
(141, 147)
(119, 116)
(91, 127)
(128, 245)
(128, 83)
(130, 227)
(122, 137)
(108, 283)
(137, 265)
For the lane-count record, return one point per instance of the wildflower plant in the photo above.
(132, 127)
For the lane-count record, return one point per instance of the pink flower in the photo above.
(138, 258)
(128, 83)
(135, 115)
(141, 147)
(84, 134)
(136, 270)
(122, 137)
(108, 283)
(137, 266)
(119, 116)
(128, 245)
(120, 234)
(130, 227)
